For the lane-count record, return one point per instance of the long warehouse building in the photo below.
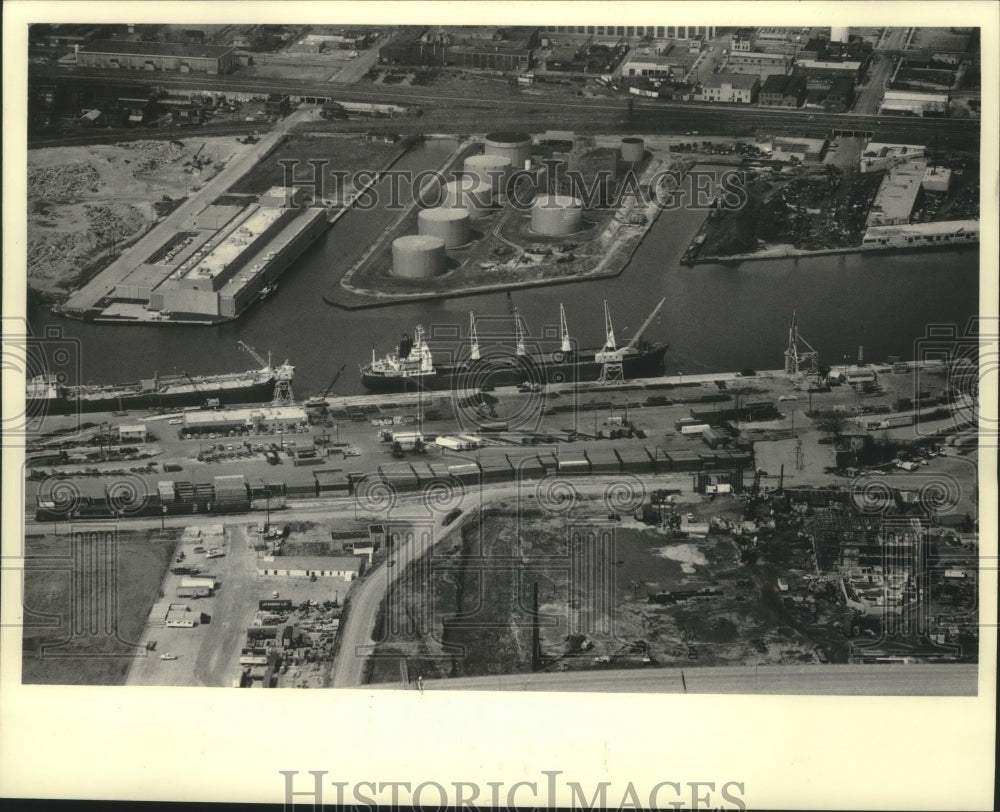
(158, 56)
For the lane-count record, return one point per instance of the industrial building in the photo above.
(782, 91)
(160, 56)
(877, 157)
(806, 150)
(218, 269)
(912, 235)
(505, 51)
(759, 62)
(266, 417)
(897, 196)
(655, 31)
(827, 70)
(346, 568)
(731, 88)
(777, 40)
(653, 67)
(936, 179)
(908, 102)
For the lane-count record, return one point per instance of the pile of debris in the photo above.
(49, 252)
(151, 155)
(65, 182)
(112, 224)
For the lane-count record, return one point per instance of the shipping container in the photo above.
(634, 460)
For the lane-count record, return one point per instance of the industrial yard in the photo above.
(87, 204)
(701, 480)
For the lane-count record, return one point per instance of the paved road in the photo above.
(861, 680)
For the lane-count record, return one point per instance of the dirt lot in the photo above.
(94, 655)
(85, 204)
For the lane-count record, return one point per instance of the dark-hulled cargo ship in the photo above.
(412, 367)
(46, 395)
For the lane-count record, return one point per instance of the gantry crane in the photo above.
(611, 357)
(282, 376)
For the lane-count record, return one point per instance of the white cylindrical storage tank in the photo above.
(840, 34)
(633, 150)
(449, 224)
(474, 196)
(556, 215)
(492, 169)
(513, 145)
(417, 256)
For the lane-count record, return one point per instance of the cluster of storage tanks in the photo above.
(472, 197)
(462, 201)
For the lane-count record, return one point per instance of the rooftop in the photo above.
(312, 562)
(741, 81)
(115, 46)
(898, 192)
(923, 229)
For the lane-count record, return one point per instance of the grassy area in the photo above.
(92, 656)
(347, 154)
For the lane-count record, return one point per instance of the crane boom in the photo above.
(645, 324)
(334, 381)
(254, 354)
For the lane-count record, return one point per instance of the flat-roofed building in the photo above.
(648, 66)
(877, 157)
(782, 91)
(937, 179)
(910, 235)
(897, 196)
(828, 70)
(654, 31)
(806, 150)
(908, 102)
(158, 56)
(346, 568)
(759, 62)
(732, 88)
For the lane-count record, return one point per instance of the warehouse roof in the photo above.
(312, 562)
(741, 81)
(114, 46)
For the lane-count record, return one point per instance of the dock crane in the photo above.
(282, 375)
(473, 337)
(518, 326)
(336, 377)
(611, 356)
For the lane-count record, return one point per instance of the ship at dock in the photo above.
(413, 367)
(46, 395)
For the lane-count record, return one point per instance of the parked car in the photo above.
(168, 656)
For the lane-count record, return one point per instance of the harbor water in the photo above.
(716, 318)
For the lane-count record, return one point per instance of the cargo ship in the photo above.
(47, 396)
(412, 366)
